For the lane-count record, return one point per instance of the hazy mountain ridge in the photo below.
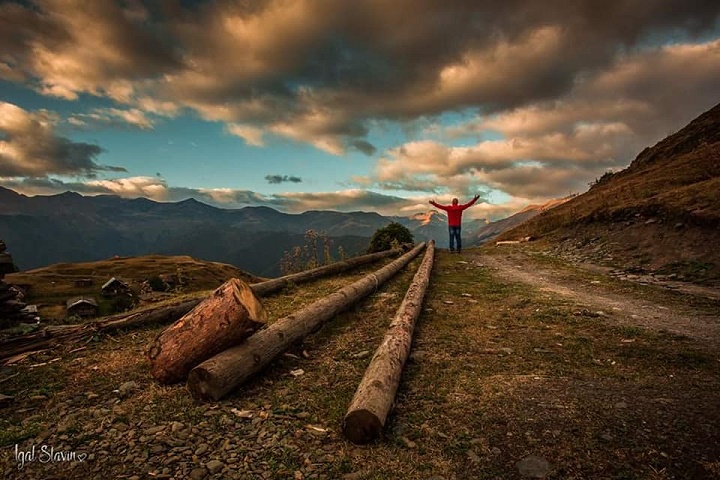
(68, 227)
(494, 229)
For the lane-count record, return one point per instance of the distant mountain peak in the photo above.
(547, 205)
(425, 217)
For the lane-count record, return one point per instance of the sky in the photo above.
(363, 105)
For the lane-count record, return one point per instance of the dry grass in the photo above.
(493, 377)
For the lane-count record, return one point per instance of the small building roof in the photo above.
(79, 300)
(113, 280)
(30, 309)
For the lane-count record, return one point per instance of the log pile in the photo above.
(217, 376)
(228, 316)
(11, 304)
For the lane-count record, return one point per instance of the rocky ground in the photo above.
(518, 370)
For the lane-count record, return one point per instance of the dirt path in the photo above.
(621, 308)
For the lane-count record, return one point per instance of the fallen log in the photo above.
(222, 373)
(168, 312)
(374, 397)
(276, 284)
(225, 318)
(53, 335)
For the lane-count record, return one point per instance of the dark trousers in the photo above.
(455, 235)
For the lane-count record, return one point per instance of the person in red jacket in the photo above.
(454, 214)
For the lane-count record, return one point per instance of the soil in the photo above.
(515, 265)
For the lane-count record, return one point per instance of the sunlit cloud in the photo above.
(31, 146)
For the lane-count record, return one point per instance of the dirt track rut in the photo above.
(621, 308)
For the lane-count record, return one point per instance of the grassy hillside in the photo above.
(660, 213)
(51, 286)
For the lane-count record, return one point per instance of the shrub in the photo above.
(390, 236)
(157, 284)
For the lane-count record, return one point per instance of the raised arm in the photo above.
(435, 204)
(466, 205)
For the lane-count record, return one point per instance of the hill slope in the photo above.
(660, 213)
(492, 230)
(51, 286)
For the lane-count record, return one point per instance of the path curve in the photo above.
(623, 309)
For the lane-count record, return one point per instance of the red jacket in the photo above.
(454, 212)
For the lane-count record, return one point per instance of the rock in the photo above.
(128, 388)
(353, 476)
(215, 466)
(297, 373)
(473, 456)
(533, 467)
(201, 449)
(620, 405)
(198, 473)
(362, 354)
(153, 430)
(495, 451)
(176, 427)
(408, 443)
(91, 395)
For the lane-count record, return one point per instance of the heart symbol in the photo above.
(82, 456)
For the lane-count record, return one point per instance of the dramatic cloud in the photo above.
(321, 71)
(275, 179)
(30, 146)
(551, 94)
(551, 149)
(70, 47)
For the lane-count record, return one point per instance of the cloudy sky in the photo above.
(375, 105)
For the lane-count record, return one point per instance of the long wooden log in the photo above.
(168, 312)
(53, 335)
(222, 373)
(271, 286)
(374, 397)
(225, 318)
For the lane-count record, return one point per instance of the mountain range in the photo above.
(68, 227)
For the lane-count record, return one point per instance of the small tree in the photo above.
(390, 236)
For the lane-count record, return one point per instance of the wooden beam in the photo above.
(374, 397)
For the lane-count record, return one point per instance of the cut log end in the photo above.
(220, 321)
(361, 426)
(199, 386)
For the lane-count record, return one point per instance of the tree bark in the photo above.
(228, 316)
(217, 376)
(374, 397)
